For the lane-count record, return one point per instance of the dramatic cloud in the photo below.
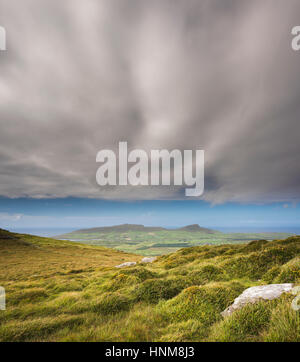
(220, 75)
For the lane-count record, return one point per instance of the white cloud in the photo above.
(10, 217)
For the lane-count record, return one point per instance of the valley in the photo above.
(152, 241)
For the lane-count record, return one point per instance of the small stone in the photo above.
(148, 259)
(128, 263)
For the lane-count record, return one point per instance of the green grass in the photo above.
(163, 241)
(64, 291)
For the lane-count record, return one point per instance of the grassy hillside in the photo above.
(150, 241)
(62, 291)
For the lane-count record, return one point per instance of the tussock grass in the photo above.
(244, 325)
(284, 324)
(290, 272)
(203, 303)
(153, 290)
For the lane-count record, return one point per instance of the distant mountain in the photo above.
(121, 229)
(197, 228)
(135, 227)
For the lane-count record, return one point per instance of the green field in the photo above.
(64, 291)
(159, 242)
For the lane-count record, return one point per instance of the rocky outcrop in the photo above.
(254, 294)
(128, 263)
(148, 259)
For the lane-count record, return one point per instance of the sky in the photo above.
(73, 213)
(81, 76)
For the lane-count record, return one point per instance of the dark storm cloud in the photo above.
(219, 75)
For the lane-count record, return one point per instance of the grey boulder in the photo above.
(254, 294)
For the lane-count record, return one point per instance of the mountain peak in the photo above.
(195, 228)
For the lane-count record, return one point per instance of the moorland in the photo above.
(65, 291)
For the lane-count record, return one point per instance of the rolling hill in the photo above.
(196, 228)
(120, 229)
(135, 227)
(152, 241)
(63, 291)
